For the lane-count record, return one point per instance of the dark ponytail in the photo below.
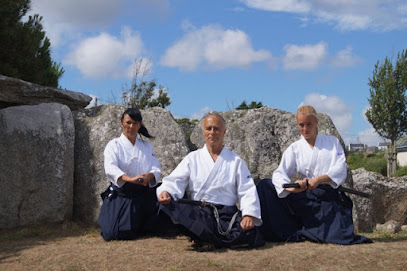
(143, 131)
(135, 115)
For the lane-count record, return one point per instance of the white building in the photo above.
(402, 155)
(383, 146)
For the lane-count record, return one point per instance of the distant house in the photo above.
(356, 147)
(383, 146)
(372, 149)
(402, 154)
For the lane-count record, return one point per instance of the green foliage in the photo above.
(388, 102)
(141, 93)
(401, 171)
(24, 49)
(252, 105)
(187, 121)
(387, 112)
(371, 162)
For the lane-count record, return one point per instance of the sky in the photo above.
(211, 55)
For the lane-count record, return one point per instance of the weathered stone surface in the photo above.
(95, 127)
(18, 92)
(388, 199)
(389, 227)
(260, 136)
(169, 143)
(36, 162)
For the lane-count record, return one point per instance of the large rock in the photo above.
(18, 92)
(95, 127)
(260, 136)
(387, 201)
(36, 162)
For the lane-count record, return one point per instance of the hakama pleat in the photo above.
(323, 215)
(131, 211)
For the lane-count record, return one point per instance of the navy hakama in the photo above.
(323, 215)
(202, 225)
(131, 211)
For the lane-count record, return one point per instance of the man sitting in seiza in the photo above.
(317, 210)
(217, 178)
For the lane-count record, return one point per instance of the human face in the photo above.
(214, 130)
(130, 127)
(308, 126)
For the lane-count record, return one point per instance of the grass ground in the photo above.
(75, 247)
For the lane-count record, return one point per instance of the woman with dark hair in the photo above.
(130, 204)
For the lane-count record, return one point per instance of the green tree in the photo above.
(24, 49)
(252, 105)
(388, 103)
(141, 92)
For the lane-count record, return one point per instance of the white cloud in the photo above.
(214, 48)
(345, 14)
(297, 6)
(198, 115)
(370, 137)
(84, 13)
(66, 20)
(305, 57)
(105, 56)
(346, 58)
(335, 107)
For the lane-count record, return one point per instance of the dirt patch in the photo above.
(76, 248)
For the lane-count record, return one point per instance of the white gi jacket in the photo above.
(121, 157)
(226, 181)
(327, 157)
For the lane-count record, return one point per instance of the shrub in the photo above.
(401, 171)
(371, 162)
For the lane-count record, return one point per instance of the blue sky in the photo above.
(213, 54)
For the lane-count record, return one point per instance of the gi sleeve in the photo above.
(176, 183)
(111, 163)
(284, 172)
(155, 167)
(247, 194)
(337, 169)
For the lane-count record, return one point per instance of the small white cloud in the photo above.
(306, 57)
(370, 137)
(105, 56)
(214, 48)
(198, 115)
(335, 107)
(297, 6)
(346, 58)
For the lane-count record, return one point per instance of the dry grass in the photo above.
(74, 247)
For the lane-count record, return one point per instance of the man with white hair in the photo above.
(216, 179)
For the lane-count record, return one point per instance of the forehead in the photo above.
(213, 120)
(127, 118)
(301, 118)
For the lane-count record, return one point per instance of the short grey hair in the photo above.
(214, 113)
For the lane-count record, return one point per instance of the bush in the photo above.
(401, 171)
(371, 162)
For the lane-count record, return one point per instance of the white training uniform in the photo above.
(327, 157)
(121, 157)
(226, 181)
